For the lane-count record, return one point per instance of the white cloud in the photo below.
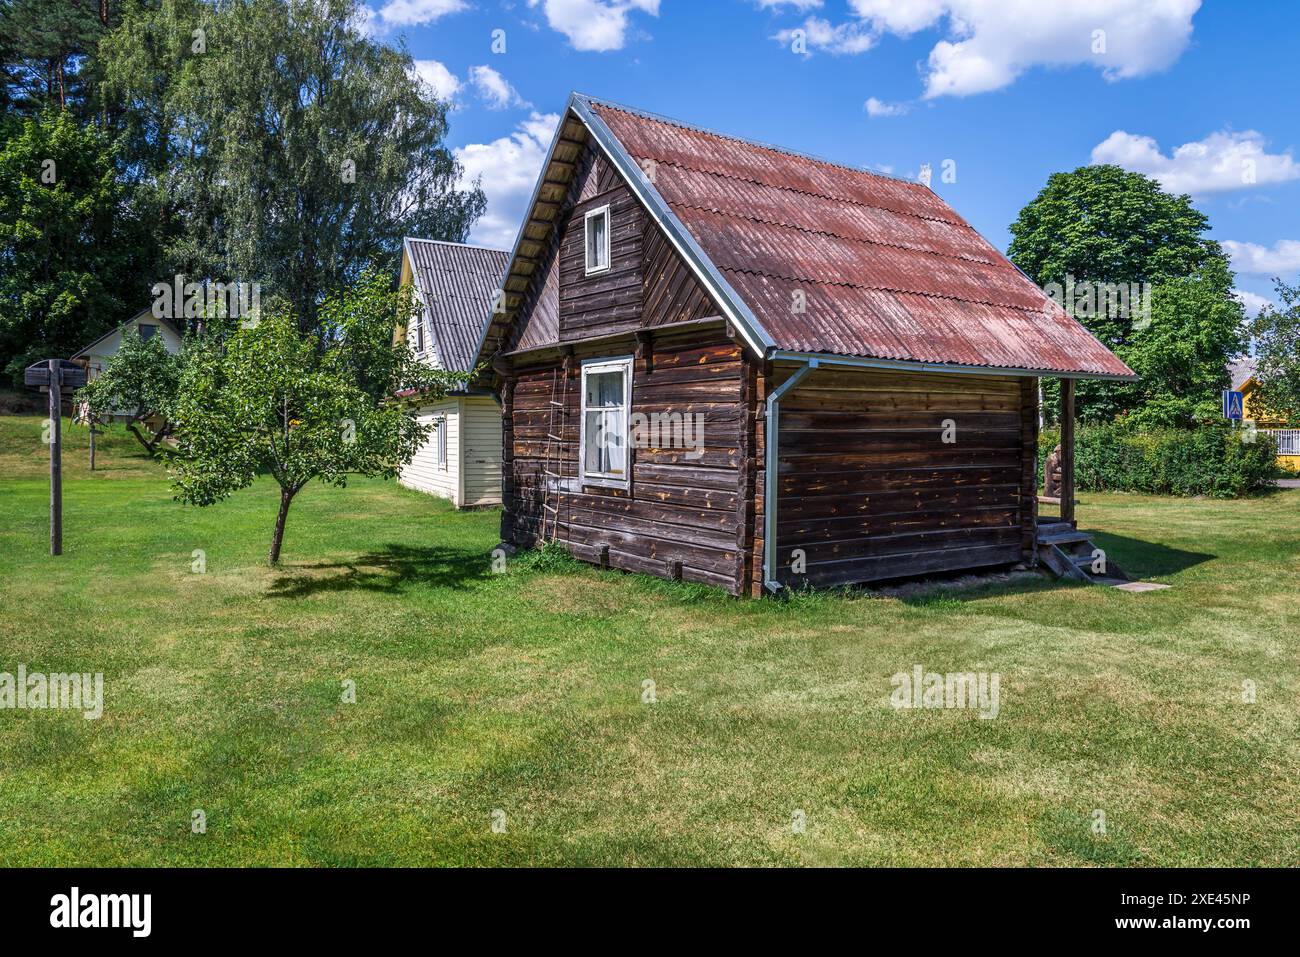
(1253, 302)
(594, 25)
(508, 168)
(990, 43)
(493, 89)
(800, 5)
(819, 34)
(444, 83)
(1282, 259)
(902, 17)
(408, 13)
(1220, 162)
(366, 20)
(875, 107)
(415, 12)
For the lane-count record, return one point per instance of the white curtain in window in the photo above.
(598, 241)
(606, 423)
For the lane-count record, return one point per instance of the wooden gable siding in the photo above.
(682, 515)
(868, 490)
(606, 302)
(669, 290)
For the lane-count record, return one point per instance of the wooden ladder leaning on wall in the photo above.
(553, 463)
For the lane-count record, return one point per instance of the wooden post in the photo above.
(93, 433)
(508, 461)
(56, 461)
(1067, 450)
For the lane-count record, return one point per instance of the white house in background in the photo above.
(454, 286)
(96, 355)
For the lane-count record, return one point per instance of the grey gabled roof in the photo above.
(456, 284)
(1241, 370)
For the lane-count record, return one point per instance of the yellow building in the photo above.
(1288, 439)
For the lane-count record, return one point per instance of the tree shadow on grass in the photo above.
(393, 569)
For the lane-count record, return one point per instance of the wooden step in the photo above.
(1063, 538)
(1068, 555)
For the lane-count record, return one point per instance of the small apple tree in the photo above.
(139, 381)
(265, 398)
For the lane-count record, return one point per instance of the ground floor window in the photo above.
(606, 401)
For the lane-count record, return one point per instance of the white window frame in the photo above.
(622, 364)
(440, 441)
(419, 335)
(586, 240)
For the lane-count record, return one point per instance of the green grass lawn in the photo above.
(522, 692)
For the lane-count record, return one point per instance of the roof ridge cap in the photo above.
(760, 144)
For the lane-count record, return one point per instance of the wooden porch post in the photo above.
(1067, 450)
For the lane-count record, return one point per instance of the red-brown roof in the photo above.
(888, 270)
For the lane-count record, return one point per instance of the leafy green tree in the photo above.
(1106, 225)
(47, 52)
(1276, 333)
(297, 148)
(1182, 353)
(141, 382)
(267, 398)
(69, 245)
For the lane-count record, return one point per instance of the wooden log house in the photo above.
(864, 366)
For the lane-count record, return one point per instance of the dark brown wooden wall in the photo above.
(611, 301)
(866, 487)
(869, 491)
(682, 515)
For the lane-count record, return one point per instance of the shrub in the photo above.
(1211, 460)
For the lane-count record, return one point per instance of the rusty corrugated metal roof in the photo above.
(886, 268)
(456, 284)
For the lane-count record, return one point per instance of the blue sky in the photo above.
(1201, 95)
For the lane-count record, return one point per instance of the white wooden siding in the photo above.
(472, 475)
(423, 472)
(481, 451)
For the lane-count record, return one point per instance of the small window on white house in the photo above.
(597, 238)
(606, 398)
(419, 335)
(442, 441)
(147, 331)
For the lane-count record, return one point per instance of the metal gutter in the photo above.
(771, 468)
(741, 316)
(903, 365)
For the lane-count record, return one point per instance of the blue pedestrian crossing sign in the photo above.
(1231, 404)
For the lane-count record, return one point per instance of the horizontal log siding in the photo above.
(1029, 471)
(869, 491)
(680, 507)
(607, 302)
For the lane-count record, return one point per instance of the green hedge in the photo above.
(1211, 460)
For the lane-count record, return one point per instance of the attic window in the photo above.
(419, 335)
(597, 239)
(147, 331)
